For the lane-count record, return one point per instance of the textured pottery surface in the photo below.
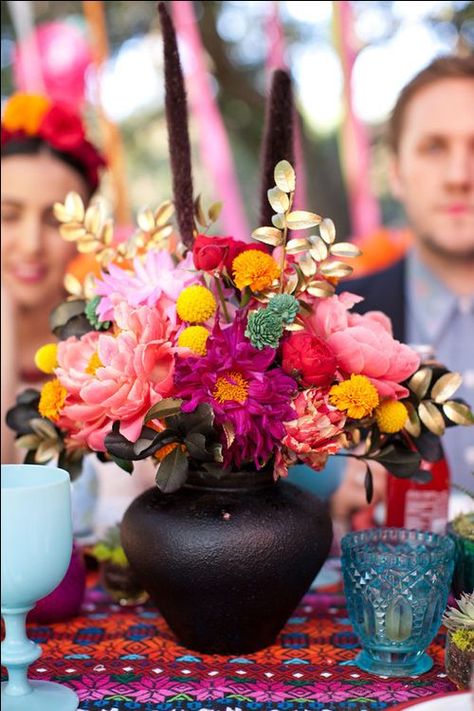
(227, 560)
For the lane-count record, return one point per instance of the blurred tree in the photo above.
(236, 61)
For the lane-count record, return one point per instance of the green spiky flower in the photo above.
(264, 328)
(285, 306)
(91, 314)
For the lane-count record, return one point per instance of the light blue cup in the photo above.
(36, 545)
(396, 583)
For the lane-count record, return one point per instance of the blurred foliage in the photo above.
(238, 68)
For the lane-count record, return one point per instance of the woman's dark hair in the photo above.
(33, 145)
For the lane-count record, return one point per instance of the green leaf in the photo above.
(73, 466)
(172, 472)
(195, 443)
(368, 485)
(127, 466)
(165, 408)
(399, 460)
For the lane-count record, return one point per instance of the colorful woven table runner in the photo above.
(127, 659)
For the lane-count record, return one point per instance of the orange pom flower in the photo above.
(25, 112)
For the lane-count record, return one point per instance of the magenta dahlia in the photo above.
(249, 396)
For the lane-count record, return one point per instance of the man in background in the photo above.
(429, 295)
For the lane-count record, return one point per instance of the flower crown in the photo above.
(34, 116)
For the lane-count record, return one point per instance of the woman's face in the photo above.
(34, 255)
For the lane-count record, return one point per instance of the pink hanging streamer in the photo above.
(276, 59)
(214, 144)
(364, 208)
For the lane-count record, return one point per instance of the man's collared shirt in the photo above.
(437, 317)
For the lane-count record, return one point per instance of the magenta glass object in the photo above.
(65, 601)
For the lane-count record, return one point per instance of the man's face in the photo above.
(433, 172)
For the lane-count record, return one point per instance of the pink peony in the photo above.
(317, 431)
(156, 278)
(363, 344)
(119, 377)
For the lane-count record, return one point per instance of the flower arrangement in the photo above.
(228, 355)
(35, 116)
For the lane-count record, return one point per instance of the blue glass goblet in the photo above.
(396, 583)
(36, 550)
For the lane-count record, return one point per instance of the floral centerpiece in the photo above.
(227, 362)
(227, 355)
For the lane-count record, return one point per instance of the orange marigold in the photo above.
(254, 269)
(25, 112)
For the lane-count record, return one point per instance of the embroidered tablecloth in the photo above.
(127, 659)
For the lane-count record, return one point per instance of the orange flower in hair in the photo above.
(25, 112)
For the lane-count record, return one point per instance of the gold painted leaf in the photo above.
(412, 425)
(285, 177)
(74, 206)
(88, 246)
(320, 288)
(291, 283)
(446, 386)
(307, 265)
(164, 213)
(279, 221)
(278, 199)
(61, 213)
(146, 220)
(297, 245)
(28, 441)
(199, 211)
(302, 220)
(269, 235)
(229, 431)
(72, 285)
(431, 417)
(327, 230)
(166, 231)
(107, 233)
(45, 452)
(336, 269)
(43, 428)
(72, 231)
(458, 412)
(420, 382)
(294, 327)
(214, 211)
(165, 408)
(93, 219)
(345, 249)
(319, 250)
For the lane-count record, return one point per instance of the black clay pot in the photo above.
(227, 560)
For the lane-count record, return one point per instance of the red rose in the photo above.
(209, 253)
(236, 246)
(62, 128)
(308, 358)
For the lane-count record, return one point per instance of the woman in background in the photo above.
(45, 154)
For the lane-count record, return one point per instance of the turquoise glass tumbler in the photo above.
(396, 583)
(36, 546)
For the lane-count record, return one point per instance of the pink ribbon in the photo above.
(363, 206)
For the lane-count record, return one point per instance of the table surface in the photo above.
(118, 659)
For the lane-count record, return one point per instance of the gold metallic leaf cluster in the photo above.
(205, 218)
(435, 401)
(44, 440)
(316, 271)
(94, 235)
